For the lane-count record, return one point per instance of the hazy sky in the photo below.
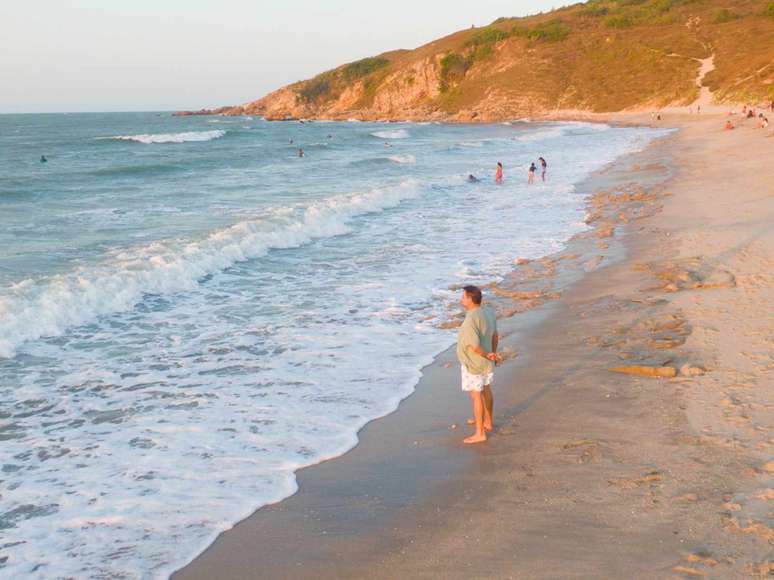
(127, 55)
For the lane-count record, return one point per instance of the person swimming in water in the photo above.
(531, 173)
(543, 167)
(473, 179)
(43, 159)
(499, 173)
(300, 152)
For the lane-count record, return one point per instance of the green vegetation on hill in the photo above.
(601, 55)
(328, 85)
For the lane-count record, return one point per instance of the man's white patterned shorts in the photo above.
(471, 382)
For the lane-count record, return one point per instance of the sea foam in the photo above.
(393, 134)
(183, 137)
(51, 306)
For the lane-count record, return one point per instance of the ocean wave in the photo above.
(392, 134)
(50, 306)
(402, 158)
(183, 137)
(541, 134)
(139, 170)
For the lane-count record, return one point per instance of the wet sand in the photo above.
(590, 473)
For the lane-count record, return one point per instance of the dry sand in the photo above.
(591, 473)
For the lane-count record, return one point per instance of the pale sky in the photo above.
(134, 55)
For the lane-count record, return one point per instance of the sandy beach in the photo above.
(591, 472)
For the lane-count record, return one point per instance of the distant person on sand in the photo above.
(477, 353)
(729, 125)
(543, 167)
(499, 173)
(300, 152)
(531, 173)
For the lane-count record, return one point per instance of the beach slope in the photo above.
(597, 469)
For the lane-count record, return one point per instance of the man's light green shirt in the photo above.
(477, 329)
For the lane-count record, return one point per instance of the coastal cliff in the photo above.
(599, 56)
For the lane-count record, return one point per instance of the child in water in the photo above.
(532, 169)
(499, 173)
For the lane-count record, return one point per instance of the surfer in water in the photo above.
(499, 173)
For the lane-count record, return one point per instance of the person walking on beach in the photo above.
(531, 173)
(499, 173)
(477, 352)
(543, 167)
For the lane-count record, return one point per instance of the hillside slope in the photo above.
(600, 56)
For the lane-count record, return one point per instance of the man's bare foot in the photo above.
(473, 422)
(475, 439)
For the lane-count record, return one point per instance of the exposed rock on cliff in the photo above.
(601, 56)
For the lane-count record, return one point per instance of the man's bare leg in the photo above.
(488, 407)
(478, 413)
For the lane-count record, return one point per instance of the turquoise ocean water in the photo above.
(189, 312)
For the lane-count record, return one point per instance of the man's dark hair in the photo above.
(474, 292)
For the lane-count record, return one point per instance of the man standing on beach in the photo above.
(477, 353)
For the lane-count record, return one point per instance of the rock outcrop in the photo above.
(594, 57)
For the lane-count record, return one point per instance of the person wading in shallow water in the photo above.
(543, 168)
(499, 173)
(477, 353)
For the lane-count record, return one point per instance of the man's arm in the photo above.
(479, 351)
(493, 356)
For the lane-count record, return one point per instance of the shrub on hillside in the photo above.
(453, 67)
(770, 10)
(364, 67)
(723, 16)
(315, 89)
(553, 31)
(620, 22)
(488, 35)
(595, 10)
(482, 41)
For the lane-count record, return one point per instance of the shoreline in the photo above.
(590, 473)
(555, 273)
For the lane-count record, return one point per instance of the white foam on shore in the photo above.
(184, 137)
